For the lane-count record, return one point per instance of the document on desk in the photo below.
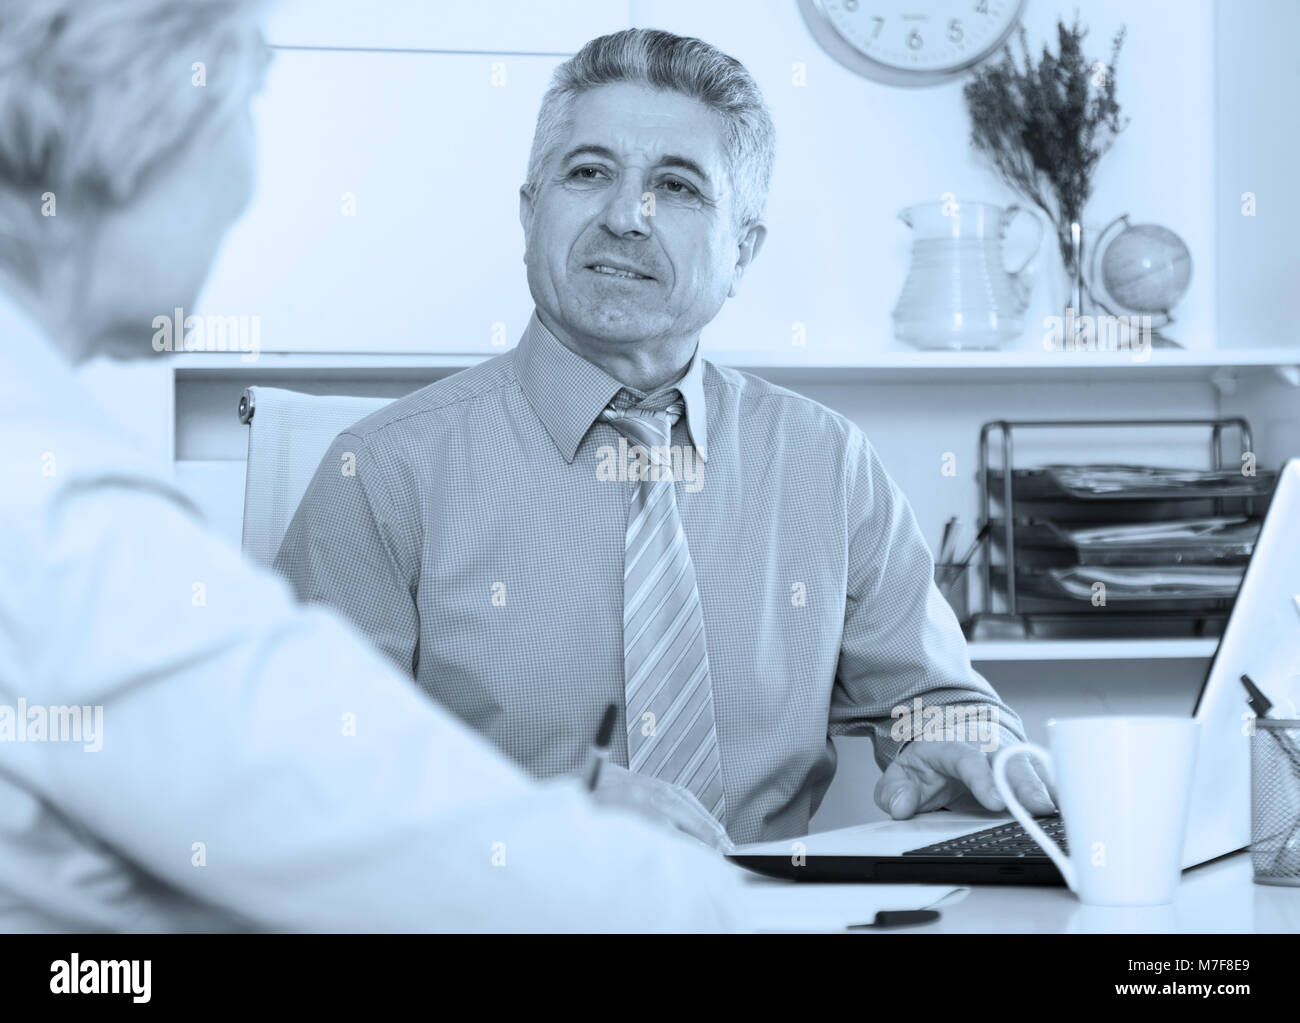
(768, 904)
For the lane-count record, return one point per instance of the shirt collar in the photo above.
(568, 392)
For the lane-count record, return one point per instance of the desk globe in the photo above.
(1145, 269)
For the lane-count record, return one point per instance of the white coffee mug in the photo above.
(1122, 785)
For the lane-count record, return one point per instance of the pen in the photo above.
(600, 746)
(974, 546)
(1259, 703)
(947, 536)
(898, 918)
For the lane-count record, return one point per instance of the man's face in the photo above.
(632, 149)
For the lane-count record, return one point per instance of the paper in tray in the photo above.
(1196, 582)
(1203, 541)
(1174, 589)
(1115, 482)
(1222, 539)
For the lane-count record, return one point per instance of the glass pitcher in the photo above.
(958, 293)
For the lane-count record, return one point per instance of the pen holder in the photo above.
(1275, 801)
(953, 583)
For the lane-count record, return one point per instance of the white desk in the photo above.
(1216, 897)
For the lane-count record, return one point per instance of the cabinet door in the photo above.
(386, 216)
(556, 26)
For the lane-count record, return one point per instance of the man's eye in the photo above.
(678, 187)
(585, 173)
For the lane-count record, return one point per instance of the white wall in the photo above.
(1258, 152)
(434, 147)
(853, 152)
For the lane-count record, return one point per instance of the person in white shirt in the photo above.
(181, 746)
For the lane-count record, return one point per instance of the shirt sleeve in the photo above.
(264, 760)
(348, 547)
(901, 642)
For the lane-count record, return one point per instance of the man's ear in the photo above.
(525, 208)
(525, 216)
(751, 240)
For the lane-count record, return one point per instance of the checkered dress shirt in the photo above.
(480, 546)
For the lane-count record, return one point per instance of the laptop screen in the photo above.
(1289, 469)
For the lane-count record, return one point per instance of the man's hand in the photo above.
(956, 775)
(660, 801)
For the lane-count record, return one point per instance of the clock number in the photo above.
(901, 42)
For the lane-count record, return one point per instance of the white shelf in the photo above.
(326, 364)
(890, 366)
(1091, 649)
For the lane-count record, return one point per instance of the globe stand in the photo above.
(1158, 337)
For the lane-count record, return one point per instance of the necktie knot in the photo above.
(668, 401)
(650, 423)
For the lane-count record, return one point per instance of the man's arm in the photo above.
(351, 546)
(327, 793)
(902, 642)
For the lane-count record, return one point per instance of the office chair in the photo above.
(288, 434)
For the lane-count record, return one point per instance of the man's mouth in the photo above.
(618, 271)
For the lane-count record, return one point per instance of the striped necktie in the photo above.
(670, 725)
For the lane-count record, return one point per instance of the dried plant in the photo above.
(1045, 128)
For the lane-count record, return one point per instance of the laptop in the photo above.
(1261, 639)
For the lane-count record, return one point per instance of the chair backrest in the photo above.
(288, 434)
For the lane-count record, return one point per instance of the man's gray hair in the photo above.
(675, 63)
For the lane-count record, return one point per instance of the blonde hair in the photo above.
(96, 93)
(682, 64)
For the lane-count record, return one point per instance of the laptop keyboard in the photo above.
(1008, 840)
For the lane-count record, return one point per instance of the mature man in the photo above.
(603, 515)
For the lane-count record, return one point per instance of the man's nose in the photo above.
(625, 213)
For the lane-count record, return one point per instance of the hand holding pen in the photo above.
(664, 803)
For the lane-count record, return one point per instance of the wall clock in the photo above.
(910, 42)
